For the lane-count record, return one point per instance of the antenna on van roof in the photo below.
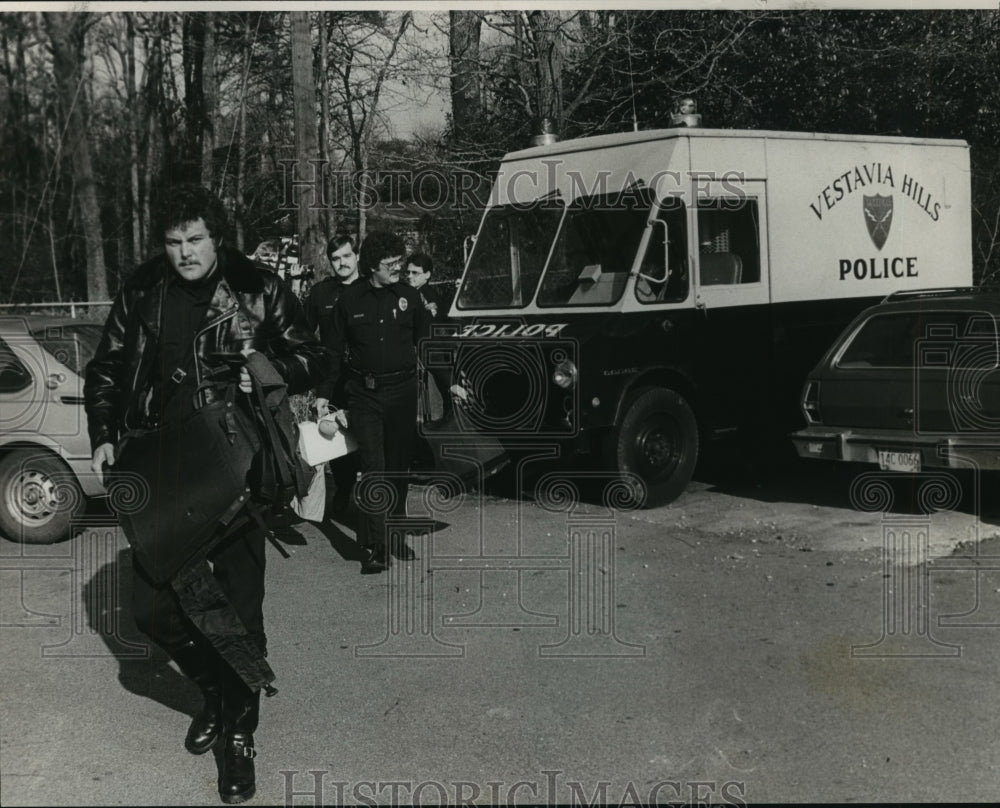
(631, 83)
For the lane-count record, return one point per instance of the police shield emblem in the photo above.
(878, 217)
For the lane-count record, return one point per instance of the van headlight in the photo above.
(565, 374)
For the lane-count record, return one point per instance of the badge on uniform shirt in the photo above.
(402, 304)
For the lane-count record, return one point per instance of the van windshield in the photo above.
(596, 247)
(509, 255)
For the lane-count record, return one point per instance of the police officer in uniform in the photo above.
(343, 258)
(340, 252)
(376, 326)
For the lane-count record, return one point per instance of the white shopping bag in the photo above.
(316, 449)
(313, 505)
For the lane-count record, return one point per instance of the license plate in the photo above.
(899, 461)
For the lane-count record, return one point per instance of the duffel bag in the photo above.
(185, 481)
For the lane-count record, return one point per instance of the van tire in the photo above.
(39, 497)
(656, 440)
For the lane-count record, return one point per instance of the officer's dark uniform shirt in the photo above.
(320, 302)
(374, 330)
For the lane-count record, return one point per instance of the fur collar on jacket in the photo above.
(240, 272)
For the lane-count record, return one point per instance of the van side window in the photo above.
(648, 289)
(595, 249)
(728, 241)
(14, 376)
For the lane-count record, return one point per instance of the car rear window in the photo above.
(14, 376)
(72, 345)
(948, 339)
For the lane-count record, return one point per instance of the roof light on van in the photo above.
(546, 133)
(686, 114)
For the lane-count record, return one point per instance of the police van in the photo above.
(630, 296)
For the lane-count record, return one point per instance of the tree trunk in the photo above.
(193, 30)
(209, 101)
(364, 197)
(172, 168)
(545, 34)
(67, 32)
(241, 154)
(466, 86)
(50, 208)
(304, 91)
(241, 167)
(152, 106)
(133, 137)
(329, 223)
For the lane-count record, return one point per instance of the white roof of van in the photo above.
(626, 138)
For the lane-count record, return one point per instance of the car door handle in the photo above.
(78, 400)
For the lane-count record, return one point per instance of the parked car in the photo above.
(44, 447)
(912, 383)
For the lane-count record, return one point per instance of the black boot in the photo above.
(374, 559)
(200, 665)
(241, 712)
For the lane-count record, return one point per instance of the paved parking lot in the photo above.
(747, 643)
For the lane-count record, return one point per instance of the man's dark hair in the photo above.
(422, 260)
(336, 243)
(188, 203)
(378, 246)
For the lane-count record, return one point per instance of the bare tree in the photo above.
(116, 43)
(329, 222)
(132, 110)
(200, 90)
(210, 88)
(363, 65)
(241, 158)
(154, 108)
(465, 28)
(67, 35)
(311, 240)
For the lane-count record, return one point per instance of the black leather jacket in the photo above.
(251, 307)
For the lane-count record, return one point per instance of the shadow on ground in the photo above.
(143, 668)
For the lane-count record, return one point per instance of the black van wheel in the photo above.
(39, 497)
(657, 440)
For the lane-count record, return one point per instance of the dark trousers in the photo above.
(238, 566)
(382, 421)
(344, 471)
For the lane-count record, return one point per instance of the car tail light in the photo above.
(810, 403)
